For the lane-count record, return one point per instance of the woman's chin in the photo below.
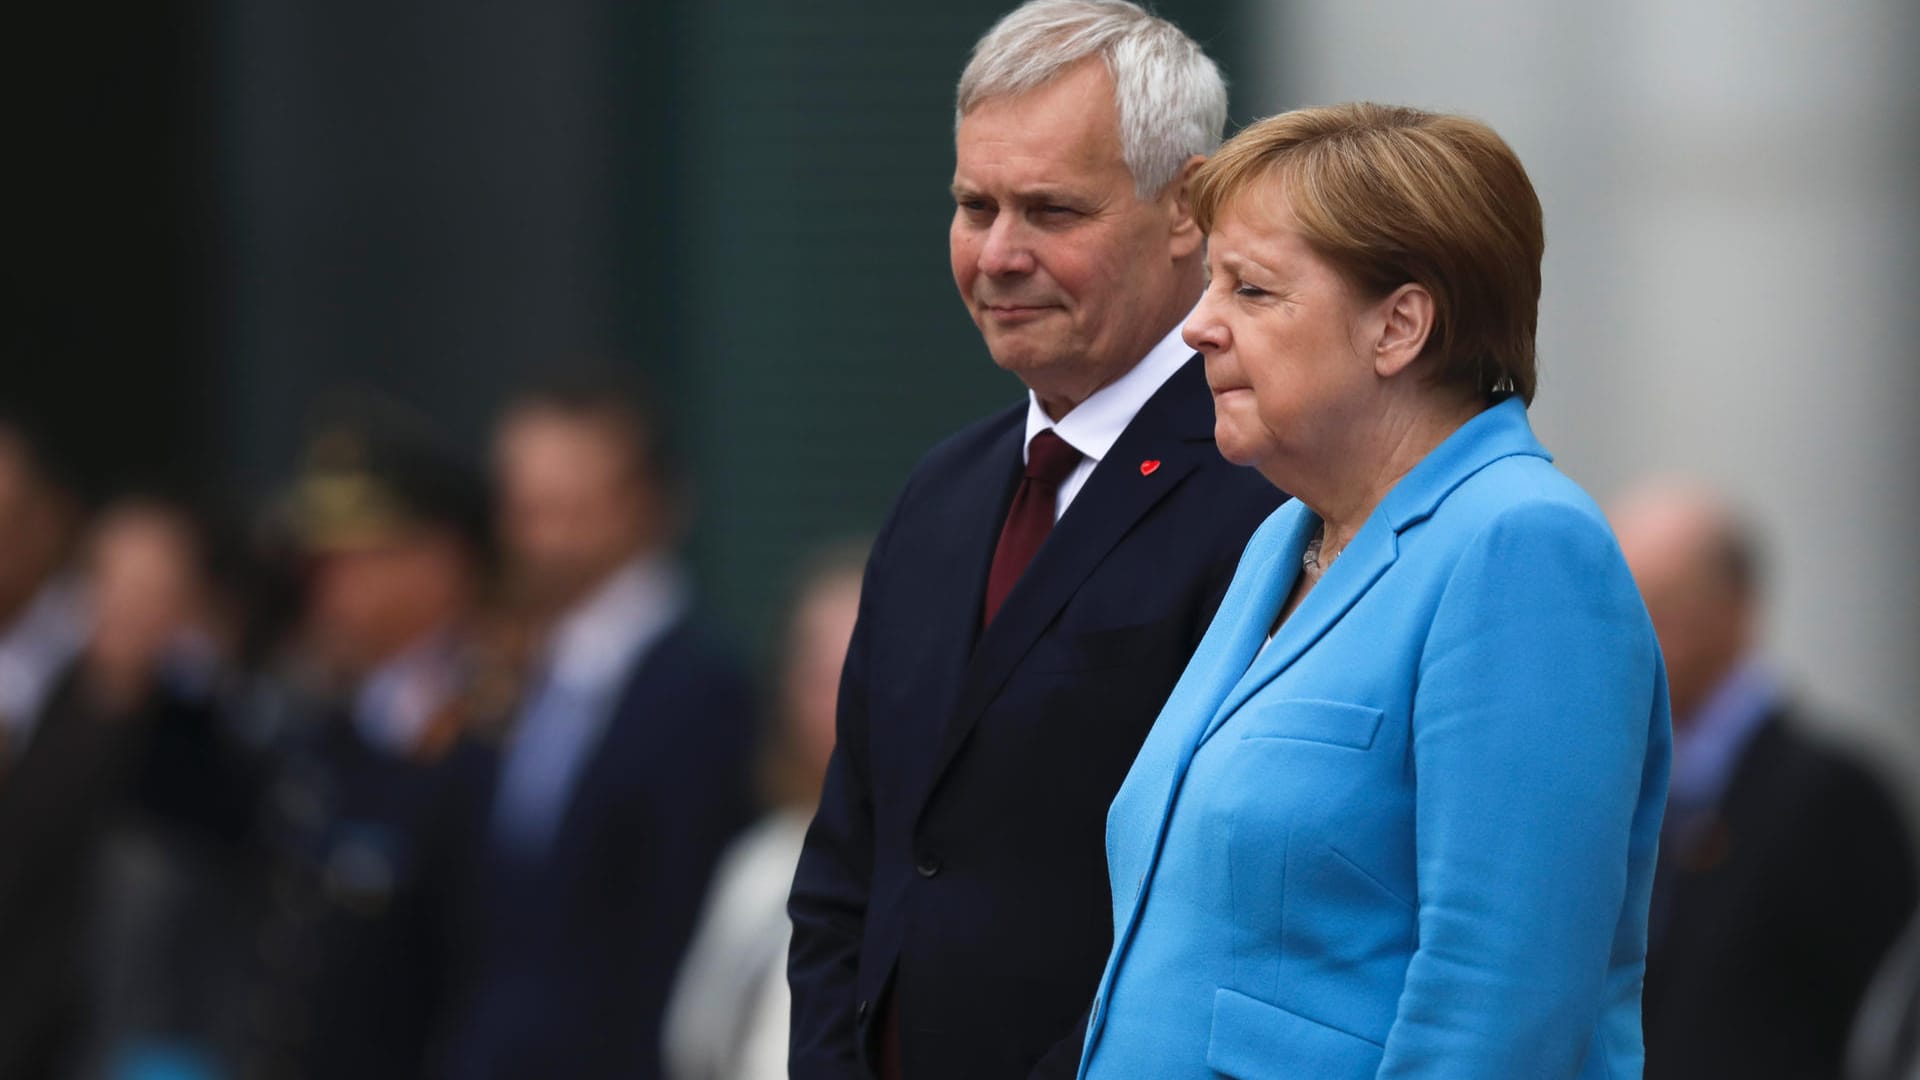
(1233, 445)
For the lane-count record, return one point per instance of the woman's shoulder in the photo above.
(1528, 496)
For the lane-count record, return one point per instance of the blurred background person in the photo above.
(727, 1019)
(42, 624)
(628, 768)
(124, 794)
(173, 877)
(47, 810)
(378, 799)
(1785, 869)
(1885, 1044)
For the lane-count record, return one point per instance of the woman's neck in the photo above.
(1400, 440)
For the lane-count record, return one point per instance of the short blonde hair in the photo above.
(1392, 196)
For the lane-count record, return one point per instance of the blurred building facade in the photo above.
(1732, 220)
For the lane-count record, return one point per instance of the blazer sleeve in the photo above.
(828, 905)
(1539, 692)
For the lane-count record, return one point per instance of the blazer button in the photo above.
(929, 866)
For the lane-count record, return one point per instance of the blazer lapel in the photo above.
(1356, 569)
(1499, 431)
(956, 558)
(1175, 428)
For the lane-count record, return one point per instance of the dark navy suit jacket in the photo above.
(1773, 921)
(573, 954)
(957, 853)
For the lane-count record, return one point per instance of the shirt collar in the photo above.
(35, 651)
(1706, 750)
(397, 703)
(1098, 422)
(597, 641)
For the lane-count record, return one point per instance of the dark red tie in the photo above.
(1049, 462)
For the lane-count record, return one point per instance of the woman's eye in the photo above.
(1253, 292)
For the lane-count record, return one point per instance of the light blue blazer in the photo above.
(1415, 836)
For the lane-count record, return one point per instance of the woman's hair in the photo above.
(1171, 99)
(1392, 196)
(787, 775)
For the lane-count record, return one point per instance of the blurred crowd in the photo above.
(424, 768)
(434, 768)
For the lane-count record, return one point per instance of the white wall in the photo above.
(1732, 234)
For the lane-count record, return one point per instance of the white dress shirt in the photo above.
(588, 661)
(1097, 423)
(398, 703)
(35, 652)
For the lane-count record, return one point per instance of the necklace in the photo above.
(1310, 558)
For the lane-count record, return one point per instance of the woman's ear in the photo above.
(1406, 321)
(1184, 237)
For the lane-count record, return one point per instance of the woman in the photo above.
(728, 1016)
(1398, 817)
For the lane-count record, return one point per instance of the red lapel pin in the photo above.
(1148, 466)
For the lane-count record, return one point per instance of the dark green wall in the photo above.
(819, 346)
(745, 199)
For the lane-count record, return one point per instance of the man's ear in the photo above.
(1406, 320)
(1185, 237)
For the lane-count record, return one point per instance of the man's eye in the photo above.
(1057, 211)
(975, 206)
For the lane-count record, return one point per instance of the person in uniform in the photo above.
(378, 797)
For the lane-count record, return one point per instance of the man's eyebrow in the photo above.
(1039, 196)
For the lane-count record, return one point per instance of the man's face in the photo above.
(1070, 276)
(1705, 626)
(32, 527)
(573, 507)
(368, 604)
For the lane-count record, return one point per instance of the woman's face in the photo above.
(1282, 333)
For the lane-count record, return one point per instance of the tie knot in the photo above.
(1049, 459)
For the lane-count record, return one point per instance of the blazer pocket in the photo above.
(1252, 1039)
(1307, 720)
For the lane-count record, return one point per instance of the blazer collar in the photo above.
(1499, 431)
(1175, 429)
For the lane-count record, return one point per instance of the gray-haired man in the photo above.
(1041, 581)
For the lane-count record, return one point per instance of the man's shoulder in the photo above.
(969, 447)
(689, 653)
(1794, 752)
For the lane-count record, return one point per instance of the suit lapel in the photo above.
(1175, 428)
(957, 553)
(1354, 572)
(1499, 431)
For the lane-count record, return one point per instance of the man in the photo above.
(42, 626)
(49, 795)
(1785, 871)
(628, 770)
(376, 803)
(1040, 582)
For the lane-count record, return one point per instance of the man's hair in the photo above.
(619, 404)
(1392, 195)
(1171, 99)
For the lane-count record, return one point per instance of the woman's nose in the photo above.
(1204, 332)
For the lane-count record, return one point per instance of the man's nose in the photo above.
(1007, 248)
